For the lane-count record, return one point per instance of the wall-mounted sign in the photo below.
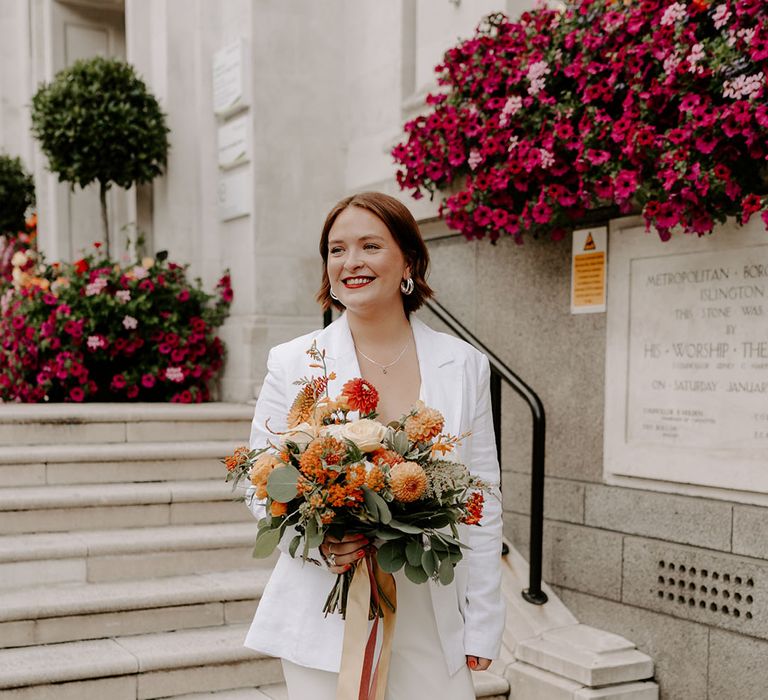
(233, 141)
(234, 194)
(230, 78)
(589, 261)
(687, 359)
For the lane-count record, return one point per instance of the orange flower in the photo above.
(337, 495)
(261, 470)
(474, 506)
(237, 459)
(278, 509)
(384, 456)
(375, 479)
(408, 481)
(360, 395)
(327, 449)
(356, 476)
(304, 404)
(425, 424)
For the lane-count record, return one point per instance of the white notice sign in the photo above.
(698, 349)
(686, 398)
(230, 81)
(234, 194)
(232, 140)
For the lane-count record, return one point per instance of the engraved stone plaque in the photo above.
(687, 358)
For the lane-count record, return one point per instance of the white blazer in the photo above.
(289, 622)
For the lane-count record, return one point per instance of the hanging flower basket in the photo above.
(654, 107)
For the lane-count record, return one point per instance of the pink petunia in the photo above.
(174, 374)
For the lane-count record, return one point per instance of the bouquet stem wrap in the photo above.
(359, 677)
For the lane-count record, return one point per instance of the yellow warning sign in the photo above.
(589, 279)
(589, 244)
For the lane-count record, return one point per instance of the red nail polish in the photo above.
(472, 664)
(360, 553)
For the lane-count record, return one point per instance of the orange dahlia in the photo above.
(408, 481)
(425, 424)
(360, 395)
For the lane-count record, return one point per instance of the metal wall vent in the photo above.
(722, 593)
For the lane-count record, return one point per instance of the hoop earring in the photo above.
(333, 296)
(406, 286)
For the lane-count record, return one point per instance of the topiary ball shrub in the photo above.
(17, 195)
(97, 122)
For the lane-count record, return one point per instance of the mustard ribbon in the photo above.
(359, 677)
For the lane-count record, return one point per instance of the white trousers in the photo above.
(417, 669)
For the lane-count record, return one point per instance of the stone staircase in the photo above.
(125, 567)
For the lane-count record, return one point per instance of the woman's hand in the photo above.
(478, 663)
(344, 552)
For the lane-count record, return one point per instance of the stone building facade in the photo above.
(327, 87)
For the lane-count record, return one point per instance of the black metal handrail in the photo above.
(500, 372)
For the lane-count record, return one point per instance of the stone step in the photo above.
(488, 686)
(72, 612)
(158, 665)
(52, 464)
(125, 554)
(94, 506)
(60, 424)
(187, 664)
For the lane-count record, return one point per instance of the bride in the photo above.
(374, 270)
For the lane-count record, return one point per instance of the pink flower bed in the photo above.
(652, 106)
(96, 331)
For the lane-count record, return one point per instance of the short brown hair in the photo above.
(404, 230)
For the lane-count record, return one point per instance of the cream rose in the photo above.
(302, 435)
(367, 434)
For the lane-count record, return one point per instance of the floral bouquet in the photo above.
(338, 470)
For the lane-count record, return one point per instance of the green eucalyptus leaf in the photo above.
(403, 527)
(281, 484)
(391, 556)
(314, 536)
(413, 551)
(416, 573)
(445, 572)
(400, 442)
(266, 541)
(430, 561)
(377, 506)
(295, 542)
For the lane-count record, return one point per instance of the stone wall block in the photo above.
(583, 558)
(720, 590)
(750, 525)
(737, 667)
(563, 499)
(695, 521)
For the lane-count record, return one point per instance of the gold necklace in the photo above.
(389, 364)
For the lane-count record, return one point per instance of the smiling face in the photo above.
(365, 264)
